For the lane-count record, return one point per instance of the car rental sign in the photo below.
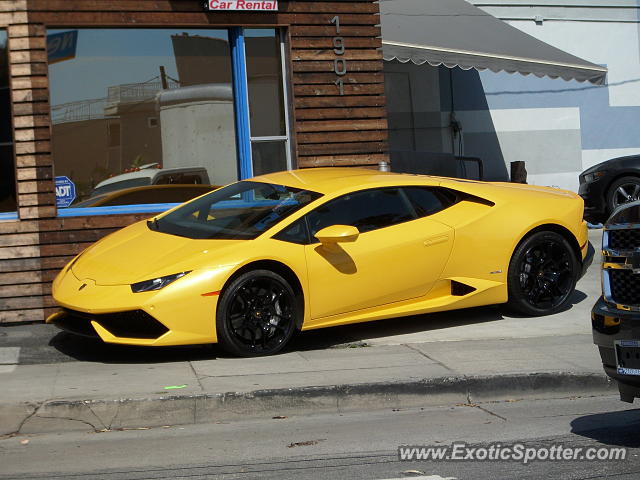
(253, 5)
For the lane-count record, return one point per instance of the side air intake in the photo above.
(459, 289)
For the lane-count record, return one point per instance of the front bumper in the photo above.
(182, 313)
(593, 195)
(608, 325)
(587, 261)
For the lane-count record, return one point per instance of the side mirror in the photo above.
(337, 234)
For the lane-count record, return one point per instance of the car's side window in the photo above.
(429, 200)
(366, 210)
(297, 232)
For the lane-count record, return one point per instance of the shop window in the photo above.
(7, 164)
(120, 84)
(268, 156)
(135, 107)
(267, 105)
(147, 195)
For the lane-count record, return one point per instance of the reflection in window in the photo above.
(264, 78)
(147, 194)
(7, 166)
(266, 101)
(268, 157)
(134, 103)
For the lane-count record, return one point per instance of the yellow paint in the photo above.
(351, 277)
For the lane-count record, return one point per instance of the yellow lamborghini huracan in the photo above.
(250, 264)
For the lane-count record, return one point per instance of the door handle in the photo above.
(436, 240)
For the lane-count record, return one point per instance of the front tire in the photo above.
(542, 274)
(257, 314)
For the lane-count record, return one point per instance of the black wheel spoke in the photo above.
(252, 334)
(555, 290)
(245, 297)
(278, 327)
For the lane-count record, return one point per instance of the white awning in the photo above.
(455, 33)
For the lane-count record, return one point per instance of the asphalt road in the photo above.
(350, 446)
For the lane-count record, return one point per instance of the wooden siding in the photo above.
(331, 126)
(334, 129)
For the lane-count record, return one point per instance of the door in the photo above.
(398, 255)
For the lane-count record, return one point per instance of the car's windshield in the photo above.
(240, 211)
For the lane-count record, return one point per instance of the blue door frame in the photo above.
(241, 102)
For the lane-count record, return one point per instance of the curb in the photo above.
(130, 413)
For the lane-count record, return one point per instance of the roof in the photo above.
(338, 180)
(331, 179)
(456, 33)
(145, 172)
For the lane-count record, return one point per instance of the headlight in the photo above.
(592, 177)
(156, 283)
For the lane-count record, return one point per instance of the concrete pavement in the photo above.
(455, 357)
(355, 446)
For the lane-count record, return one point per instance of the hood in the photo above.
(137, 253)
(630, 160)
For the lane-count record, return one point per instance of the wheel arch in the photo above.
(516, 297)
(559, 229)
(281, 269)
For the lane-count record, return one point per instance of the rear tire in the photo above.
(542, 274)
(257, 314)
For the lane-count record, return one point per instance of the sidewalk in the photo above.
(90, 396)
(459, 357)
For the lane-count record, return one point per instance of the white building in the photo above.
(558, 127)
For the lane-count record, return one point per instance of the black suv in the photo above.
(615, 317)
(606, 186)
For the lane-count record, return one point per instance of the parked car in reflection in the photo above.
(250, 264)
(152, 174)
(606, 186)
(146, 195)
(616, 315)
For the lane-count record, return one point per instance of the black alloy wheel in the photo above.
(257, 314)
(542, 274)
(623, 190)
